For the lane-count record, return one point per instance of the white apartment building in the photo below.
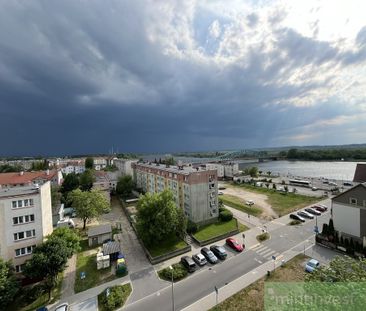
(25, 220)
(100, 163)
(124, 166)
(194, 189)
(224, 170)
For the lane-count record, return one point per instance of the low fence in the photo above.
(217, 238)
(157, 259)
(338, 248)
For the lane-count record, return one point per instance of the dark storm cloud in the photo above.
(81, 77)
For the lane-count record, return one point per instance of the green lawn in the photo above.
(93, 277)
(215, 229)
(167, 246)
(237, 203)
(251, 298)
(117, 298)
(282, 203)
(242, 227)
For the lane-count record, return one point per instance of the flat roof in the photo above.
(15, 191)
(98, 230)
(186, 170)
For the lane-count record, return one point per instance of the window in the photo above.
(22, 235)
(24, 251)
(19, 268)
(23, 219)
(20, 203)
(353, 201)
(14, 204)
(30, 202)
(26, 202)
(15, 220)
(31, 217)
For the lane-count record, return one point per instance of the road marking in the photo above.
(269, 255)
(270, 251)
(276, 255)
(263, 250)
(260, 248)
(257, 260)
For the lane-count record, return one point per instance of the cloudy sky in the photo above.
(79, 76)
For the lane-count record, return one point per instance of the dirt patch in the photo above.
(260, 200)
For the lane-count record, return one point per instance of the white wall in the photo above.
(346, 219)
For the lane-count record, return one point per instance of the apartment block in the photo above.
(224, 170)
(194, 189)
(124, 166)
(20, 179)
(25, 220)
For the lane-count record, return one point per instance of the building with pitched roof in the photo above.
(360, 173)
(20, 179)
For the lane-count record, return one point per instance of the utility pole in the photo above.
(173, 305)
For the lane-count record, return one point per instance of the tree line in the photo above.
(325, 154)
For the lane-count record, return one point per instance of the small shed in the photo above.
(98, 234)
(112, 249)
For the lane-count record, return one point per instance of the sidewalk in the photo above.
(242, 282)
(69, 278)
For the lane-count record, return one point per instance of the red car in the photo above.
(235, 245)
(320, 208)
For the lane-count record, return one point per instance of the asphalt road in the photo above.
(202, 282)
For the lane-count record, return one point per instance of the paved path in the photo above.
(69, 278)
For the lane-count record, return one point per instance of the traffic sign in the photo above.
(316, 229)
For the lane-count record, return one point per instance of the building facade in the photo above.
(25, 220)
(349, 212)
(224, 170)
(194, 189)
(124, 166)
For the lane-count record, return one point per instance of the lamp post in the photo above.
(172, 270)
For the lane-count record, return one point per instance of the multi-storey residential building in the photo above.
(19, 179)
(216, 166)
(100, 163)
(349, 212)
(194, 189)
(25, 220)
(102, 184)
(224, 170)
(77, 167)
(124, 166)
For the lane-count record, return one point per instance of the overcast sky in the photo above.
(164, 75)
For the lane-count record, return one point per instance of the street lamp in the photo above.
(172, 270)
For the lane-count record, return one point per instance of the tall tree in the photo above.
(88, 204)
(89, 163)
(158, 218)
(69, 236)
(48, 260)
(55, 195)
(253, 171)
(86, 180)
(9, 285)
(71, 182)
(125, 186)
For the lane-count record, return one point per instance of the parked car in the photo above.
(297, 217)
(320, 208)
(314, 188)
(325, 182)
(219, 251)
(188, 263)
(348, 184)
(313, 211)
(199, 259)
(249, 202)
(63, 307)
(231, 242)
(305, 214)
(209, 255)
(311, 265)
(220, 193)
(331, 183)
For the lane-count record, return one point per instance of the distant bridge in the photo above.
(247, 155)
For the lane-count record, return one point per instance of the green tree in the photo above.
(125, 186)
(70, 183)
(269, 173)
(71, 238)
(88, 204)
(169, 161)
(253, 171)
(158, 217)
(6, 168)
(55, 195)
(9, 285)
(340, 269)
(48, 260)
(89, 163)
(293, 153)
(86, 180)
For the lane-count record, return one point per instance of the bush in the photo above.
(226, 215)
(191, 227)
(294, 222)
(262, 237)
(117, 297)
(179, 272)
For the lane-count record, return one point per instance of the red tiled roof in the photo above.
(360, 173)
(25, 178)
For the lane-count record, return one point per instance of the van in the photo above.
(66, 223)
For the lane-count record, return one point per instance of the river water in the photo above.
(331, 170)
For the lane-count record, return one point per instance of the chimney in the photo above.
(21, 173)
(47, 172)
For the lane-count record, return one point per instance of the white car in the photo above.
(63, 307)
(249, 202)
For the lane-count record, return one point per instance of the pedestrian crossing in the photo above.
(266, 252)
